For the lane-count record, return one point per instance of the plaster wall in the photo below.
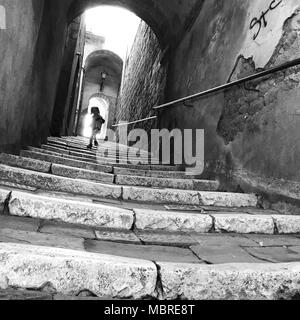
(264, 148)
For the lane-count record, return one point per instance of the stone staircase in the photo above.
(87, 223)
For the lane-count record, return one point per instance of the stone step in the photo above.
(106, 162)
(104, 216)
(101, 149)
(198, 198)
(138, 194)
(153, 174)
(68, 211)
(70, 272)
(112, 145)
(182, 184)
(99, 154)
(75, 173)
(60, 184)
(56, 169)
(67, 162)
(25, 163)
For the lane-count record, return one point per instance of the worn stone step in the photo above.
(107, 162)
(49, 156)
(68, 162)
(153, 174)
(60, 154)
(111, 145)
(60, 184)
(56, 169)
(185, 197)
(26, 163)
(75, 173)
(71, 272)
(96, 156)
(69, 211)
(100, 149)
(182, 184)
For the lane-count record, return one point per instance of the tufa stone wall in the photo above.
(144, 80)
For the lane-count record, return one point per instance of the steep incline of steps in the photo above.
(135, 231)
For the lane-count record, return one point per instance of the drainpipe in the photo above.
(79, 102)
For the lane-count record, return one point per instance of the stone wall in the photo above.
(31, 53)
(144, 80)
(18, 38)
(251, 132)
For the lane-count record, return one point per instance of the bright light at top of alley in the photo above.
(118, 26)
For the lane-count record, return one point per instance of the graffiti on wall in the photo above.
(262, 21)
(2, 18)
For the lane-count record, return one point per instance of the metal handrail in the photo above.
(231, 84)
(225, 86)
(134, 122)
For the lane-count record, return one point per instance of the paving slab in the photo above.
(263, 281)
(170, 239)
(172, 221)
(275, 254)
(30, 164)
(121, 236)
(25, 266)
(186, 197)
(287, 224)
(64, 229)
(88, 214)
(40, 239)
(151, 253)
(19, 223)
(55, 183)
(74, 173)
(227, 240)
(67, 162)
(241, 223)
(272, 240)
(222, 254)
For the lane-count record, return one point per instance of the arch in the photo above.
(153, 12)
(104, 58)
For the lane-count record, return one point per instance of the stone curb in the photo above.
(60, 184)
(245, 224)
(69, 211)
(69, 162)
(181, 184)
(230, 281)
(71, 272)
(96, 215)
(172, 221)
(187, 197)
